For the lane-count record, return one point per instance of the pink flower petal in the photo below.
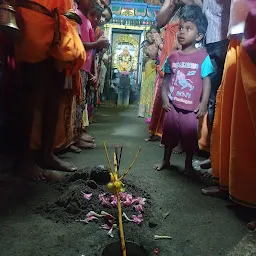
(141, 200)
(138, 208)
(123, 195)
(91, 218)
(87, 196)
(104, 200)
(113, 200)
(106, 226)
(137, 219)
(107, 215)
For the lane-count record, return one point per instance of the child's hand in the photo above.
(93, 79)
(201, 110)
(166, 104)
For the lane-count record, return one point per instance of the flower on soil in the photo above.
(140, 200)
(104, 200)
(137, 219)
(91, 216)
(156, 251)
(87, 196)
(106, 226)
(138, 207)
(107, 215)
(128, 200)
(113, 200)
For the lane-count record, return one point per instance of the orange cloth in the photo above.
(38, 32)
(204, 135)
(234, 130)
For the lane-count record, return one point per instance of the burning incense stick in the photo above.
(120, 156)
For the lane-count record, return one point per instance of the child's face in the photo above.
(105, 17)
(149, 37)
(94, 17)
(154, 31)
(188, 33)
(103, 3)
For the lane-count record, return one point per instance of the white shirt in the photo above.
(217, 13)
(238, 14)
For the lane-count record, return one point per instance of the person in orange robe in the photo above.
(234, 130)
(156, 122)
(48, 53)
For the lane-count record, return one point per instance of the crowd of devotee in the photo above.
(198, 90)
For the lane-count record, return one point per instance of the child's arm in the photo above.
(203, 106)
(165, 88)
(101, 43)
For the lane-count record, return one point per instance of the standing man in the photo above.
(217, 13)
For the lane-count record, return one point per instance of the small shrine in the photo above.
(126, 31)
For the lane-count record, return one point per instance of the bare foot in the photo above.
(214, 191)
(252, 225)
(162, 166)
(207, 174)
(206, 164)
(152, 138)
(29, 170)
(55, 163)
(75, 149)
(86, 137)
(55, 175)
(85, 145)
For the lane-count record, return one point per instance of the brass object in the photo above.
(8, 20)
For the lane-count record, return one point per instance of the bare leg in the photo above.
(53, 84)
(178, 149)
(27, 168)
(166, 161)
(188, 164)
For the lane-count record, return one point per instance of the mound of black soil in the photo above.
(71, 205)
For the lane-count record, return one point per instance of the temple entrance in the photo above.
(126, 64)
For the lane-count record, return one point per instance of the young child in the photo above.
(186, 88)
(86, 33)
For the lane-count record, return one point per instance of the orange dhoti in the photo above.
(233, 149)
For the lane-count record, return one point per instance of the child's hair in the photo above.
(145, 43)
(193, 13)
(156, 28)
(96, 9)
(110, 12)
(148, 32)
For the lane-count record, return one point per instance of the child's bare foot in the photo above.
(86, 137)
(53, 162)
(162, 166)
(85, 145)
(29, 170)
